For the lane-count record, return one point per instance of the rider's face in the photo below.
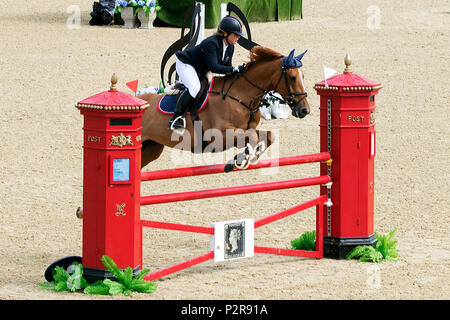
(232, 38)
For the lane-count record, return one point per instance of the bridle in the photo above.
(289, 100)
(290, 97)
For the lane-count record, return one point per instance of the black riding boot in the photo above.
(184, 102)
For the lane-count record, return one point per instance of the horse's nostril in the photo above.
(300, 112)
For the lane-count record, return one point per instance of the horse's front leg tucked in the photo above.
(255, 142)
(265, 139)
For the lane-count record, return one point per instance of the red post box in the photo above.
(111, 180)
(347, 132)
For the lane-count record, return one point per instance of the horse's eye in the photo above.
(293, 78)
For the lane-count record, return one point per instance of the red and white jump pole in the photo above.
(219, 168)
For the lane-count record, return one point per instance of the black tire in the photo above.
(63, 263)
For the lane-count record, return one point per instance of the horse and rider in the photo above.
(233, 103)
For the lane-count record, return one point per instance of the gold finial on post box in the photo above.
(348, 62)
(113, 82)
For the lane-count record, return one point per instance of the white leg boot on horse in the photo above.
(257, 152)
(266, 139)
(257, 142)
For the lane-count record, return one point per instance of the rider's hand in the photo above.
(239, 69)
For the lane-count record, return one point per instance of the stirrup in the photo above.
(244, 164)
(180, 131)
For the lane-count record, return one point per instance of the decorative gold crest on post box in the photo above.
(121, 140)
(120, 210)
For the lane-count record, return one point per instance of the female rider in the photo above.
(212, 54)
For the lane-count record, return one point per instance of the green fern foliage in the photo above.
(97, 287)
(365, 254)
(387, 246)
(63, 281)
(125, 284)
(385, 249)
(307, 241)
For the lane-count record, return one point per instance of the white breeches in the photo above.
(188, 76)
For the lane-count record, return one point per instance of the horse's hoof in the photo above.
(229, 166)
(241, 161)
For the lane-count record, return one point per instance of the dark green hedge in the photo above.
(173, 11)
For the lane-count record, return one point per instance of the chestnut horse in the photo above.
(231, 114)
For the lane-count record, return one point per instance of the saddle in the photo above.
(169, 100)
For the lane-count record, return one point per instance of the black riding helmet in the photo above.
(231, 24)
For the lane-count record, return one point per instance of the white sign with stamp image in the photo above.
(233, 239)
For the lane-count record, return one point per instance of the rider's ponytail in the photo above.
(220, 33)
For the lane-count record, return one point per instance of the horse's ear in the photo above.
(290, 55)
(288, 61)
(300, 56)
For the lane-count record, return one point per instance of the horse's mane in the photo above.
(261, 54)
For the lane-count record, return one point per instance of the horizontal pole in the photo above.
(219, 168)
(180, 266)
(289, 252)
(290, 211)
(221, 192)
(176, 226)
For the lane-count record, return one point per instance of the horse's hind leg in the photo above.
(150, 151)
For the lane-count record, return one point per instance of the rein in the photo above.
(249, 106)
(289, 99)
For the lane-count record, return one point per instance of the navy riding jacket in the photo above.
(207, 56)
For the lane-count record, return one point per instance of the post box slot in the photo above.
(121, 122)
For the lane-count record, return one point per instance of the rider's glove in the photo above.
(239, 69)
